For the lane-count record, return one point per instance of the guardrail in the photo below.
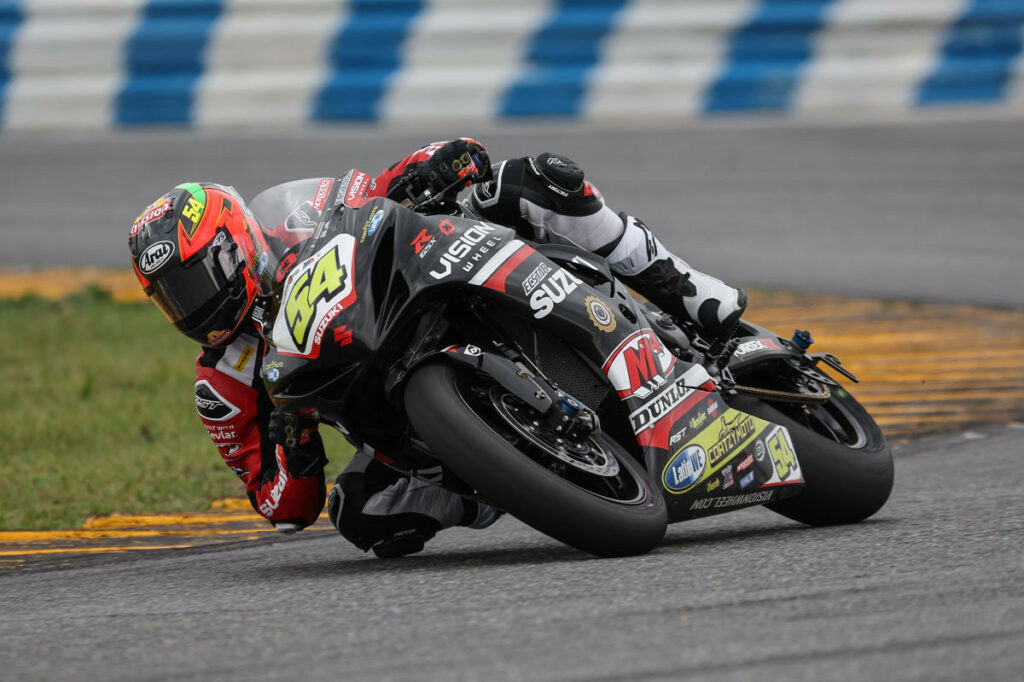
(91, 64)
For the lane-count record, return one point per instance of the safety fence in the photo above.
(91, 64)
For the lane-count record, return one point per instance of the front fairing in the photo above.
(322, 329)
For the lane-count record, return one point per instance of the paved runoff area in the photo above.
(924, 368)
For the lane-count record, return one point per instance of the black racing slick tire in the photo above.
(846, 463)
(606, 516)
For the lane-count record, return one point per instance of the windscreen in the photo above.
(300, 202)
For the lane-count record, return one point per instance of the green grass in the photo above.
(98, 415)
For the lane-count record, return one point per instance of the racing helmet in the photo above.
(201, 257)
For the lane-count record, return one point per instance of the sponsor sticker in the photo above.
(217, 335)
(303, 218)
(747, 480)
(421, 240)
(343, 335)
(732, 435)
(323, 188)
(712, 408)
(638, 367)
(698, 420)
(270, 505)
(685, 469)
(755, 346)
(371, 224)
(195, 208)
(600, 314)
(154, 257)
(661, 404)
(211, 405)
(244, 357)
(314, 294)
(375, 220)
(286, 265)
(469, 242)
(783, 456)
(552, 291)
(536, 277)
(156, 210)
(759, 497)
(356, 188)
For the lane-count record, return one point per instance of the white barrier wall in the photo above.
(92, 64)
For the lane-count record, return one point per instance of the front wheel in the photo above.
(846, 464)
(587, 492)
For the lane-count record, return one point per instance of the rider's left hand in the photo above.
(298, 437)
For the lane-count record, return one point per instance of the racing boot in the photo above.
(642, 262)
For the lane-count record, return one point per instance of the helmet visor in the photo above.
(205, 294)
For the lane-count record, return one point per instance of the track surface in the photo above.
(927, 590)
(929, 211)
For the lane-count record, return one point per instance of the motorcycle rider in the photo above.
(206, 262)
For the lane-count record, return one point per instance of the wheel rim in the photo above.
(597, 471)
(584, 454)
(833, 421)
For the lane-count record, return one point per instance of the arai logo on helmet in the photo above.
(685, 469)
(155, 256)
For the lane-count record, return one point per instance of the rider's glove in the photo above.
(462, 158)
(296, 433)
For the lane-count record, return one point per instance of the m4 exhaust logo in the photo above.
(640, 365)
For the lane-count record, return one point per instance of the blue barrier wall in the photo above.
(92, 64)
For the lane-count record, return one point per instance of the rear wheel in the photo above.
(846, 464)
(585, 491)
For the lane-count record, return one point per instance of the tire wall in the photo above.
(96, 64)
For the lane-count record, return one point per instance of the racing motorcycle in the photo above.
(543, 387)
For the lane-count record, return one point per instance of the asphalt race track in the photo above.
(929, 589)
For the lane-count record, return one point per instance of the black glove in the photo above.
(296, 433)
(462, 158)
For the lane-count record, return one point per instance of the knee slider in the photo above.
(560, 174)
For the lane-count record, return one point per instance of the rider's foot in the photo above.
(402, 543)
